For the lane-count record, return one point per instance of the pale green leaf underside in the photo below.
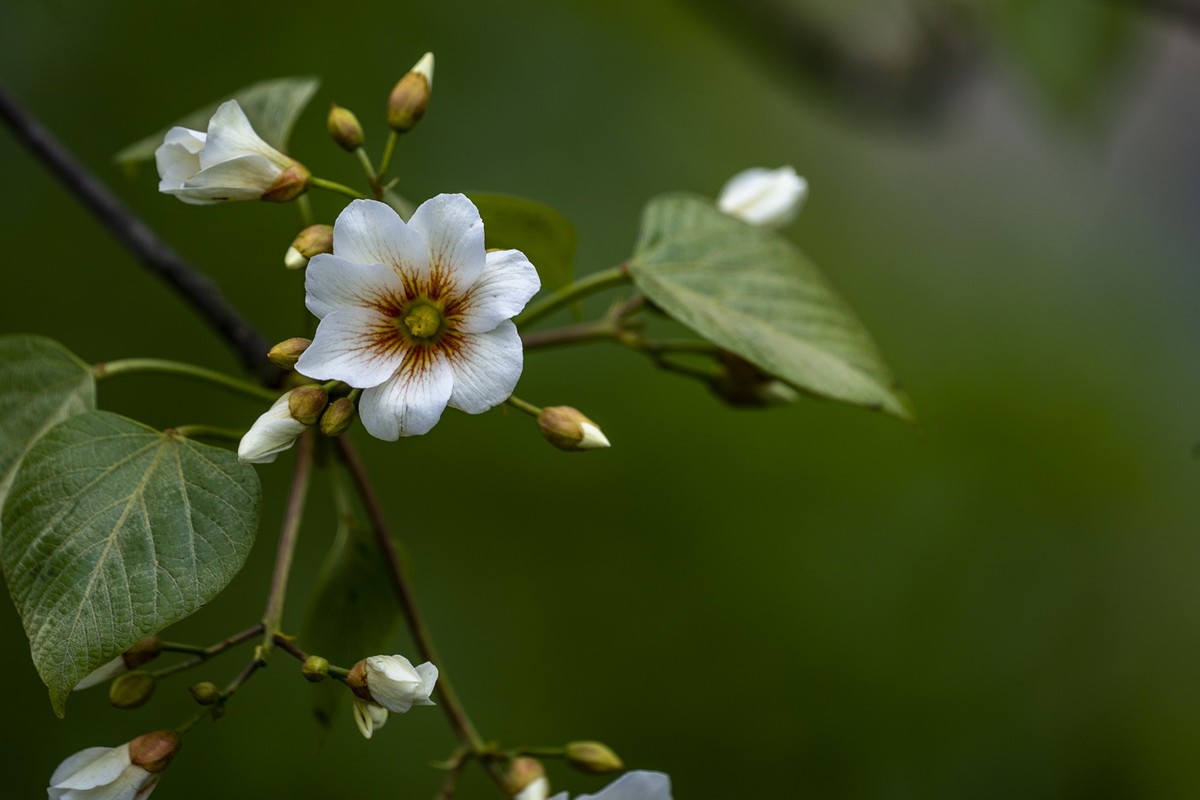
(41, 384)
(546, 237)
(753, 292)
(271, 106)
(353, 612)
(113, 532)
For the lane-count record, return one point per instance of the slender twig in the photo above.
(597, 281)
(293, 513)
(450, 784)
(205, 653)
(127, 366)
(464, 729)
(187, 282)
(288, 646)
(581, 333)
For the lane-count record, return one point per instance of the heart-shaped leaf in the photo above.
(113, 531)
(754, 293)
(41, 384)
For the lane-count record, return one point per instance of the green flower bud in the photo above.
(288, 352)
(154, 751)
(306, 403)
(315, 669)
(411, 95)
(344, 128)
(338, 417)
(567, 429)
(131, 690)
(205, 693)
(593, 757)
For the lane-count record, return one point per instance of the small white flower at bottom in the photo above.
(101, 773)
(369, 717)
(767, 197)
(272, 433)
(636, 785)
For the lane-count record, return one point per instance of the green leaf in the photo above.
(271, 106)
(41, 384)
(353, 613)
(113, 531)
(546, 237)
(754, 293)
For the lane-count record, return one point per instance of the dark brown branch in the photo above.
(185, 280)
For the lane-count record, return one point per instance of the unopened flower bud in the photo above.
(522, 779)
(768, 197)
(154, 751)
(306, 403)
(743, 385)
(312, 241)
(290, 184)
(273, 432)
(131, 690)
(593, 757)
(288, 352)
(410, 97)
(315, 669)
(567, 429)
(344, 128)
(338, 417)
(142, 652)
(205, 693)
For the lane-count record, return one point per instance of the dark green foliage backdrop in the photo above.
(816, 601)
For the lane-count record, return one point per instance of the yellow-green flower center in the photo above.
(422, 321)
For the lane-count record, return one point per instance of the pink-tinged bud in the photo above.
(154, 751)
(522, 773)
(344, 128)
(290, 184)
(567, 429)
(410, 97)
(142, 652)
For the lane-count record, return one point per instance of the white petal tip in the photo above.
(593, 438)
(294, 259)
(425, 67)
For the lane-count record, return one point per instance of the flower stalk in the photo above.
(596, 282)
(288, 535)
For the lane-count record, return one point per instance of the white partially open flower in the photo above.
(383, 684)
(637, 785)
(272, 433)
(768, 197)
(417, 314)
(229, 162)
(128, 772)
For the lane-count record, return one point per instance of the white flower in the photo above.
(369, 717)
(230, 162)
(417, 314)
(397, 685)
(271, 434)
(110, 670)
(767, 197)
(128, 772)
(383, 684)
(637, 785)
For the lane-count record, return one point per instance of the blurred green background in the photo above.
(810, 602)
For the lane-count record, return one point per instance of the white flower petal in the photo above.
(369, 717)
(394, 683)
(429, 676)
(538, 789)
(507, 283)
(230, 136)
(412, 401)
(246, 177)
(272, 433)
(636, 785)
(357, 345)
(453, 231)
(177, 157)
(333, 282)
(370, 232)
(99, 675)
(763, 196)
(486, 368)
(90, 768)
